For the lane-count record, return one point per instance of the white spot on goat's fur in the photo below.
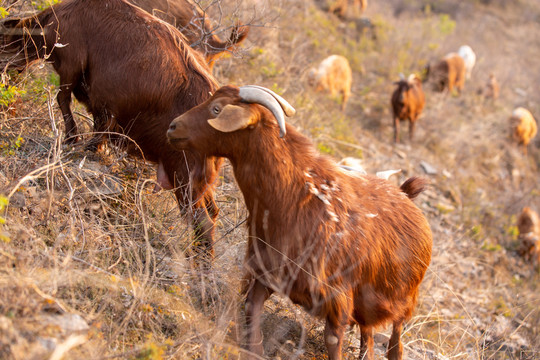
(307, 174)
(332, 340)
(386, 174)
(265, 219)
(325, 187)
(372, 215)
(333, 216)
(312, 189)
(323, 199)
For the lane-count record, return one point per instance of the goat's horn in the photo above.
(287, 108)
(272, 101)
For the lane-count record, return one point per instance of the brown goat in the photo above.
(350, 248)
(195, 25)
(447, 73)
(134, 73)
(492, 88)
(407, 104)
(339, 7)
(529, 235)
(523, 126)
(334, 75)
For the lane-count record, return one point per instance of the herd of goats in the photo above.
(349, 247)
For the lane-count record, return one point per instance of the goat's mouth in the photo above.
(177, 141)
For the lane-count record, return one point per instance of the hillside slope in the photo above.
(94, 265)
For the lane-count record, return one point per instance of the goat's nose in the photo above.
(172, 127)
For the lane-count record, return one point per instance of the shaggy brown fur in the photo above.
(195, 25)
(134, 73)
(350, 248)
(447, 73)
(407, 104)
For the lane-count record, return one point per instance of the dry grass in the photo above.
(89, 237)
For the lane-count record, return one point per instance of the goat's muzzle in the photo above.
(176, 132)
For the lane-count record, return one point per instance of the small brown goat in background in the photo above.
(523, 126)
(340, 7)
(407, 103)
(529, 235)
(196, 25)
(134, 73)
(447, 73)
(350, 248)
(492, 88)
(333, 74)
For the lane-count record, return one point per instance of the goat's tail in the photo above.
(22, 41)
(414, 186)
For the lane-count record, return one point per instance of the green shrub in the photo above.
(9, 94)
(4, 237)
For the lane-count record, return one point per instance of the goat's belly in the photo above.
(375, 308)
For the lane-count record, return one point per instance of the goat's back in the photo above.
(129, 64)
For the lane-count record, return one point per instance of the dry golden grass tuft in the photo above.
(90, 241)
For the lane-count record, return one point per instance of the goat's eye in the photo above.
(216, 110)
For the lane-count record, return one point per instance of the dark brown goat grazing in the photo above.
(134, 73)
(195, 24)
(407, 104)
(529, 235)
(348, 247)
(447, 73)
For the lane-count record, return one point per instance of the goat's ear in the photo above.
(232, 118)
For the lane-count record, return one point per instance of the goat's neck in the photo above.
(274, 182)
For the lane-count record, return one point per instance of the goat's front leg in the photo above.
(366, 343)
(412, 123)
(395, 348)
(64, 102)
(256, 296)
(333, 337)
(396, 129)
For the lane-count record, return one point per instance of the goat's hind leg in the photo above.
(395, 348)
(257, 294)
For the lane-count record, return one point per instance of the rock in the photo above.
(428, 169)
(68, 323)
